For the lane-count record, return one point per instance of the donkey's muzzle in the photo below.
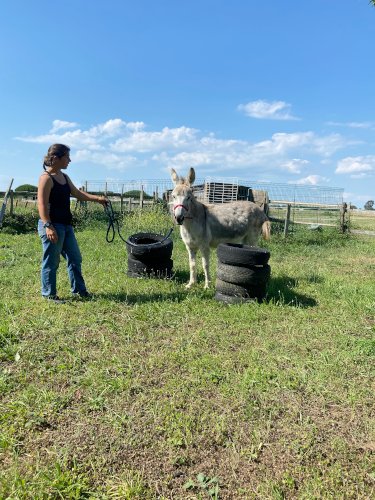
(180, 219)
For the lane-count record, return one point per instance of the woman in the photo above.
(55, 224)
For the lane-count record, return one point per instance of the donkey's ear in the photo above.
(191, 176)
(175, 177)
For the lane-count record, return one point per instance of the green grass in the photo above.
(360, 221)
(151, 391)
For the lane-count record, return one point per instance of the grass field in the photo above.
(362, 220)
(150, 391)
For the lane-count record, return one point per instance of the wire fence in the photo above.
(299, 204)
(276, 191)
(295, 203)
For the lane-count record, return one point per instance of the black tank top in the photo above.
(59, 202)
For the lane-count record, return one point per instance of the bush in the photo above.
(152, 219)
(20, 223)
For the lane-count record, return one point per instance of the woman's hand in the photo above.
(51, 234)
(102, 200)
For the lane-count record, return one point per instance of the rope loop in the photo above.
(113, 225)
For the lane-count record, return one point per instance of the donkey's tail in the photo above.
(266, 230)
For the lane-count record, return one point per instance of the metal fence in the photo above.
(293, 203)
(299, 204)
(277, 192)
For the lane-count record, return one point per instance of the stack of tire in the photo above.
(243, 273)
(149, 256)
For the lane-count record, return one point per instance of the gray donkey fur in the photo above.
(205, 226)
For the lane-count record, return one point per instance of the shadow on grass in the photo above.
(143, 298)
(180, 277)
(280, 290)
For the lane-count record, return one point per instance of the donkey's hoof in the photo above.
(188, 285)
(206, 286)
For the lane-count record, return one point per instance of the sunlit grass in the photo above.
(135, 393)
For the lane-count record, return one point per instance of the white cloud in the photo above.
(360, 125)
(356, 165)
(275, 110)
(294, 166)
(151, 141)
(312, 180)
(118, 144)
(110, 128)
(108, 159)
(60, 124)
(328, 145)
(272, 154)
(91, 138)
(282, 142)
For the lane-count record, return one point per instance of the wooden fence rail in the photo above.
(289, 213)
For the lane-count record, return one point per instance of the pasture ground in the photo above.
(151, 391)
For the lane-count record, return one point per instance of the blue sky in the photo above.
(259, 90)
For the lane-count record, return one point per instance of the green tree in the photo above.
(27, 187)
(137, 194)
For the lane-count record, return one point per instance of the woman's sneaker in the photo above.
(83, 295)
(54, 298)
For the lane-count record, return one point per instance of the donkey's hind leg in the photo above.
(193, 267)
(206, 266)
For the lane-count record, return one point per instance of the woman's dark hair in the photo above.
(58, 150)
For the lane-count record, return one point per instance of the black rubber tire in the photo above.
(226, 288)
(245, 276)
(162, 274)
(138, 269)
(137, 266)
(231, 299)
(132, 274)
(242, 255)
(149, 247)
(250, 292)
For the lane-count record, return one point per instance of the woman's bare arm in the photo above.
(83, 196)
(44, 190)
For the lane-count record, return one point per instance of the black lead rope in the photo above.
(113, 224)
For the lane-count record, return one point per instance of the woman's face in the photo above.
(62, 162)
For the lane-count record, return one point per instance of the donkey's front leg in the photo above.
(206, 266)
(193, 267)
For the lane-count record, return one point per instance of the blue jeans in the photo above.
(66, 246)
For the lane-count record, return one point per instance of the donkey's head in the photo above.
(182, 195)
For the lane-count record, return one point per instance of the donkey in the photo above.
(204, 226)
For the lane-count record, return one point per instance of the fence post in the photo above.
(11, 196)
(349, 214)
(343, 222)
(4, 205)
(141, 197)
(122, 199)
(287, 220)
(83, 203)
